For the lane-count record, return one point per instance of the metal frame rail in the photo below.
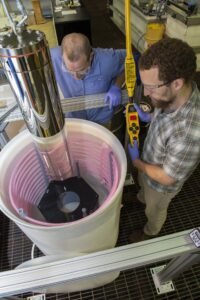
(117, 259)
(4, 139)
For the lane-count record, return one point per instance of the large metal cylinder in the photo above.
(26, 60)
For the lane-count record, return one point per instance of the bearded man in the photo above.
(171, 149)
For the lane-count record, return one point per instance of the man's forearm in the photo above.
(154, 172)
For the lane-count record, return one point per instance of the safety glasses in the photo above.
(81, 72)
(152, 87)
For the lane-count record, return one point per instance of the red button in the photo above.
(133, 117)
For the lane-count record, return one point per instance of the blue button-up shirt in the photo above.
(107, 64)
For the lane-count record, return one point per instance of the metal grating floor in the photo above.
(134, 284)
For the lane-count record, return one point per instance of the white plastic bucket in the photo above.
(95, 232)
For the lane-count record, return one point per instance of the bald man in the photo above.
(83, 70)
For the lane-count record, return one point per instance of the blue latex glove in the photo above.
(133, 150)
(113, 96)
(144, 117)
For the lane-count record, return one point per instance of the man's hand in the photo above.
(144, 117)
(113, 96)
(133, 151)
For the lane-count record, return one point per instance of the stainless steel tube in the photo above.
(26, 60)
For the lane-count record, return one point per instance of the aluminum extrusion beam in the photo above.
(177, 266)
(117, 259)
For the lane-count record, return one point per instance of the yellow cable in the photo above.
(130, 71)
(132, 119)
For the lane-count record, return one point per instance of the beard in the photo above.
(163, 104)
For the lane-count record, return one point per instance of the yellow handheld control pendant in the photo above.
(132, 123)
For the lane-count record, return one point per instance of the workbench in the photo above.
(72, 20)
(48, 28)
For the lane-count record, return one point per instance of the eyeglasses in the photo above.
(155, 86)
(81, 72)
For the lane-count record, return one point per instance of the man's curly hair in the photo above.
(173, 57)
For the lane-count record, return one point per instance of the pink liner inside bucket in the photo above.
(30, 176)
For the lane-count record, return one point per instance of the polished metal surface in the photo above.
(26, 61)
